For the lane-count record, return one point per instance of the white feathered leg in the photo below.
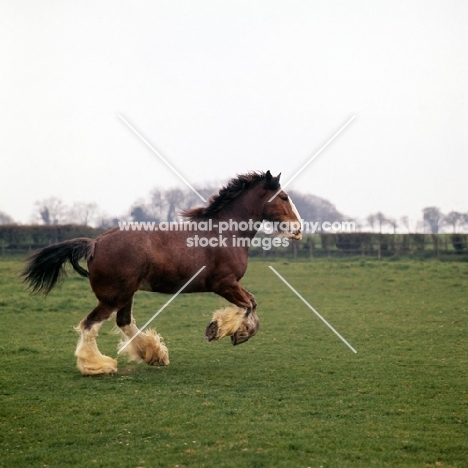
(90, 361)
(145, 346)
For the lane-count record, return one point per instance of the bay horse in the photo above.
(121, 262)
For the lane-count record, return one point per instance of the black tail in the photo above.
(46, 266)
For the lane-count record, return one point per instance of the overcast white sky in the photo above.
(224, 87)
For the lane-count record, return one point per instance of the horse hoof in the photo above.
(158, 362)
(239, 338)
(211, 331)
(248, 328)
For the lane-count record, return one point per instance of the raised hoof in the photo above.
(211, 331)
(239, 337)
(248, 328)
(224, 322)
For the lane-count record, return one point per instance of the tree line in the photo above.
(165, 205)
(433, 221)
(160, 205)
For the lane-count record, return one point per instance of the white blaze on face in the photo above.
(294, 209)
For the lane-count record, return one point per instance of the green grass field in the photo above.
(293, 396)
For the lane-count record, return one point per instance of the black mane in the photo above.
(235, 187)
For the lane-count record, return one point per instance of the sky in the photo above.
(222, 88)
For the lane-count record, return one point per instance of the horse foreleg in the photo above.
(225, 322)
(140, 346)
(90, 361)
(248, 328)
(252, 301)
(241, 322)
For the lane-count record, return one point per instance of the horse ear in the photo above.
(268, 176)
(278, 176)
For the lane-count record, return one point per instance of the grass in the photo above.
(293, 396)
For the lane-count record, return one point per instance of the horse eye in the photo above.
(284, 197)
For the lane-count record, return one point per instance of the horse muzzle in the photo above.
(296, 235)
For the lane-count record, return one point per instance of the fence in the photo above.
(373, 245)
(23, 239)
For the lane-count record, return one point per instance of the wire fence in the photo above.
(23, 239)
(372, 245)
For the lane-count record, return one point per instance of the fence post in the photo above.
(311, 247)
(435, 237)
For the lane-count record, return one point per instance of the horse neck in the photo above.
(244, 208)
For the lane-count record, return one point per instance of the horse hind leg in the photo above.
(90, 361)
(140, 346)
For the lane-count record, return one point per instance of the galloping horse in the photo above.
(122, 262)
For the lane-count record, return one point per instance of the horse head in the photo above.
(280, 210)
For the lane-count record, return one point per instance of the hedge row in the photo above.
(15, 238)
(372, 244)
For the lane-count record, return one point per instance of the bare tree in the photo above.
(378, 218)
(433, 217)
(84, 214)
(393, 223)
(371, 221)
(382, 220)
(158, 204)
(51, 211)
(405, 222)
(453, 219)
(174, 198)
(359, 223)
